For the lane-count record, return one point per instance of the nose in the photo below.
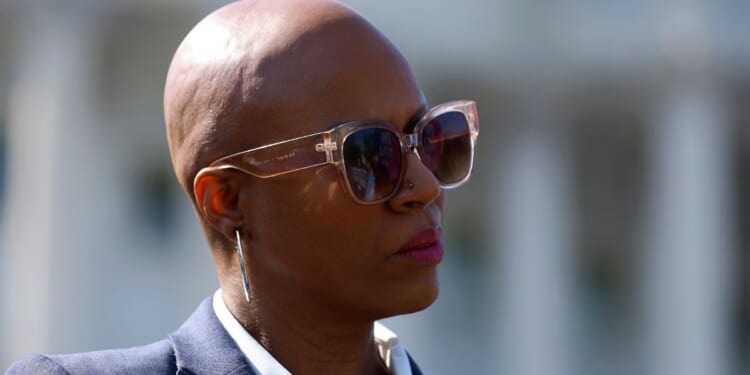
(418, 189)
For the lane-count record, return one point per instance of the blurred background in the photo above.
(606, 229)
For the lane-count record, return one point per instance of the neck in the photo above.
(305, 338)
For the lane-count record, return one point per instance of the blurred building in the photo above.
(606, 229)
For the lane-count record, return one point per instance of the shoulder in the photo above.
(36, 364)
(155, 358)
(200, 346)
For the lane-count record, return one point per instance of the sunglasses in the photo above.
(371, 154)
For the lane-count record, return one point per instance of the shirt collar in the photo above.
(389, 347)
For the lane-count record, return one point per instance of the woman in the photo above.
(317, 172)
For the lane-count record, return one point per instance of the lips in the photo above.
(423, 248)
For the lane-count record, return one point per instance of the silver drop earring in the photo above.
(241, 253)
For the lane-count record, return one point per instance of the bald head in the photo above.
(261, 65)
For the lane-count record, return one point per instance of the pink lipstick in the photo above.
(423, 248)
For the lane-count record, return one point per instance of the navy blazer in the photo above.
(200, 346)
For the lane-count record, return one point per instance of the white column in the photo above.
(47, 114)
(689, 242)
(534, 250)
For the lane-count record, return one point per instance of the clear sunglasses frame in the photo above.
(325, 147)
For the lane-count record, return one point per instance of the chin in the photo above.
(411, 298)
(421, 303)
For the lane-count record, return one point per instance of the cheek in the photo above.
(312, 229)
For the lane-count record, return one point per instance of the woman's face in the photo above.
(307, 238)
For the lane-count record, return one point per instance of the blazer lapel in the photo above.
(414, 368)
(203, 346)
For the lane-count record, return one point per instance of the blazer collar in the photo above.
(203, 346)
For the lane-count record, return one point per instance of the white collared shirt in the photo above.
(390, 349)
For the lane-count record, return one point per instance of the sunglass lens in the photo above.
(372, 160)
(446, 147)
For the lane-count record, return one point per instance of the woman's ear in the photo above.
(217, 199)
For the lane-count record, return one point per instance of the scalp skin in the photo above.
(262, 59)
